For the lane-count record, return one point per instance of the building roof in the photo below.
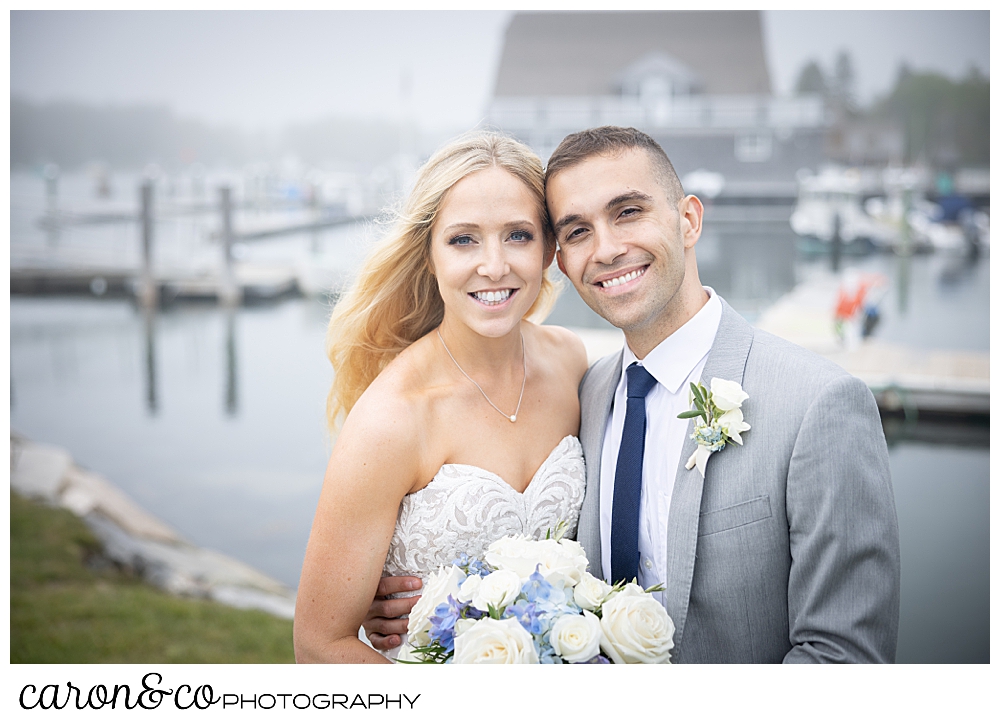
(586, 53)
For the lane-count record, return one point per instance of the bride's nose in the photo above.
(494, 264)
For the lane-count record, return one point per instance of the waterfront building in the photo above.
(697, 81)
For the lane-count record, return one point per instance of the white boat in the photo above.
(831, 199)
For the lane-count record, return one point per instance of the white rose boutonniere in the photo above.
(722, 419)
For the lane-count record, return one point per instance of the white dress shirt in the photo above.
(675, 362)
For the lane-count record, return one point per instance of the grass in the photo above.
(62, 611)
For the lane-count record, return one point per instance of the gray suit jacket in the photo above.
(788, 550)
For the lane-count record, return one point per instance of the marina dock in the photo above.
(904, 379)
(254, 282)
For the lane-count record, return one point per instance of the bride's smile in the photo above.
(488, 252)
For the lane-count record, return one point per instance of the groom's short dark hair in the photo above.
(612, 141)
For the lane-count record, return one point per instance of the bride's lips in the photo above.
(494, 298)
(621, 279)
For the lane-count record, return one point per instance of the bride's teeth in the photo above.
(492, 297)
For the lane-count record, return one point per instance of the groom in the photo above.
(785, 548)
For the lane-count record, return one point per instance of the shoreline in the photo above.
(138, 541)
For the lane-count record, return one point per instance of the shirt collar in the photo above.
(673, 359)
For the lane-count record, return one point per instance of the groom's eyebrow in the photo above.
(564, 222)
(627, 197)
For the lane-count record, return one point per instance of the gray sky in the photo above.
(266, 69)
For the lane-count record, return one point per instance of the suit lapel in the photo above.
(597, 392)
(727, 360)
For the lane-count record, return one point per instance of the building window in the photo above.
(753, 147)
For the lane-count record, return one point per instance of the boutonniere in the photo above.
(722, 419)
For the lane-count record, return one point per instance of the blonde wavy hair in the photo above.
(394, 300)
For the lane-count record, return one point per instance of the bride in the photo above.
(461, 414)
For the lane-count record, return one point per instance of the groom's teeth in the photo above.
(623, 278)
(492, 297)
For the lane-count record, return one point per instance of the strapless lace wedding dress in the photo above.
(465, 508)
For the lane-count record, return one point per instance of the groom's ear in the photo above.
(691, 212)
(559, 261)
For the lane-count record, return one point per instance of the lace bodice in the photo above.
(465, 508)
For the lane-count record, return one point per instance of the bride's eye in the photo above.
(521, 236)
(461, 240)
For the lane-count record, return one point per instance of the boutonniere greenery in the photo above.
(721, 419)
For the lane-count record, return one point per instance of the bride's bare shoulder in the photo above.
(395, 410)
(404, 385)
(562, 348)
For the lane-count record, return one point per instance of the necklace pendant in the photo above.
(513, 418)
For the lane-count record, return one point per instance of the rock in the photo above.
(137, 541)
(84, 492)
(37, 471)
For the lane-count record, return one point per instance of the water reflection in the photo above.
(149, 327)
(232, 396)
(903, 283)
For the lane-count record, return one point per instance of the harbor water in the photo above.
(213, 419)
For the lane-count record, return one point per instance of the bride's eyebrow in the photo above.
(470, 226)
(460, 226)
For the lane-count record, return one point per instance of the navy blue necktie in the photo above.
(628, 477)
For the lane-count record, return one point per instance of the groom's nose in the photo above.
(608, 245)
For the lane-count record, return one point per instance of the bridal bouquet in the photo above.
(533, 602)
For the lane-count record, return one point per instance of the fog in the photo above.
(266, 70)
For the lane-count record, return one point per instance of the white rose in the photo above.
(633, 589)
(489, 641)
(513, 553)
(468, 589)
(635, 628)
(732, 424)
(727, 395)
(439, 586)
(576, 638)
(498, 589)
(464, 624)
(590, 592)
(562, 563)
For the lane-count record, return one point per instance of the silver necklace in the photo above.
(524, 367)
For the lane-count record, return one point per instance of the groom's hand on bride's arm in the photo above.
(383, 625)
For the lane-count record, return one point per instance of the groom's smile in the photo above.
(625, 244)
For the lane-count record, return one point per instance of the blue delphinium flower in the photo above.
(472, 566)
(443, 623)
(536, 588)
(527, 614)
